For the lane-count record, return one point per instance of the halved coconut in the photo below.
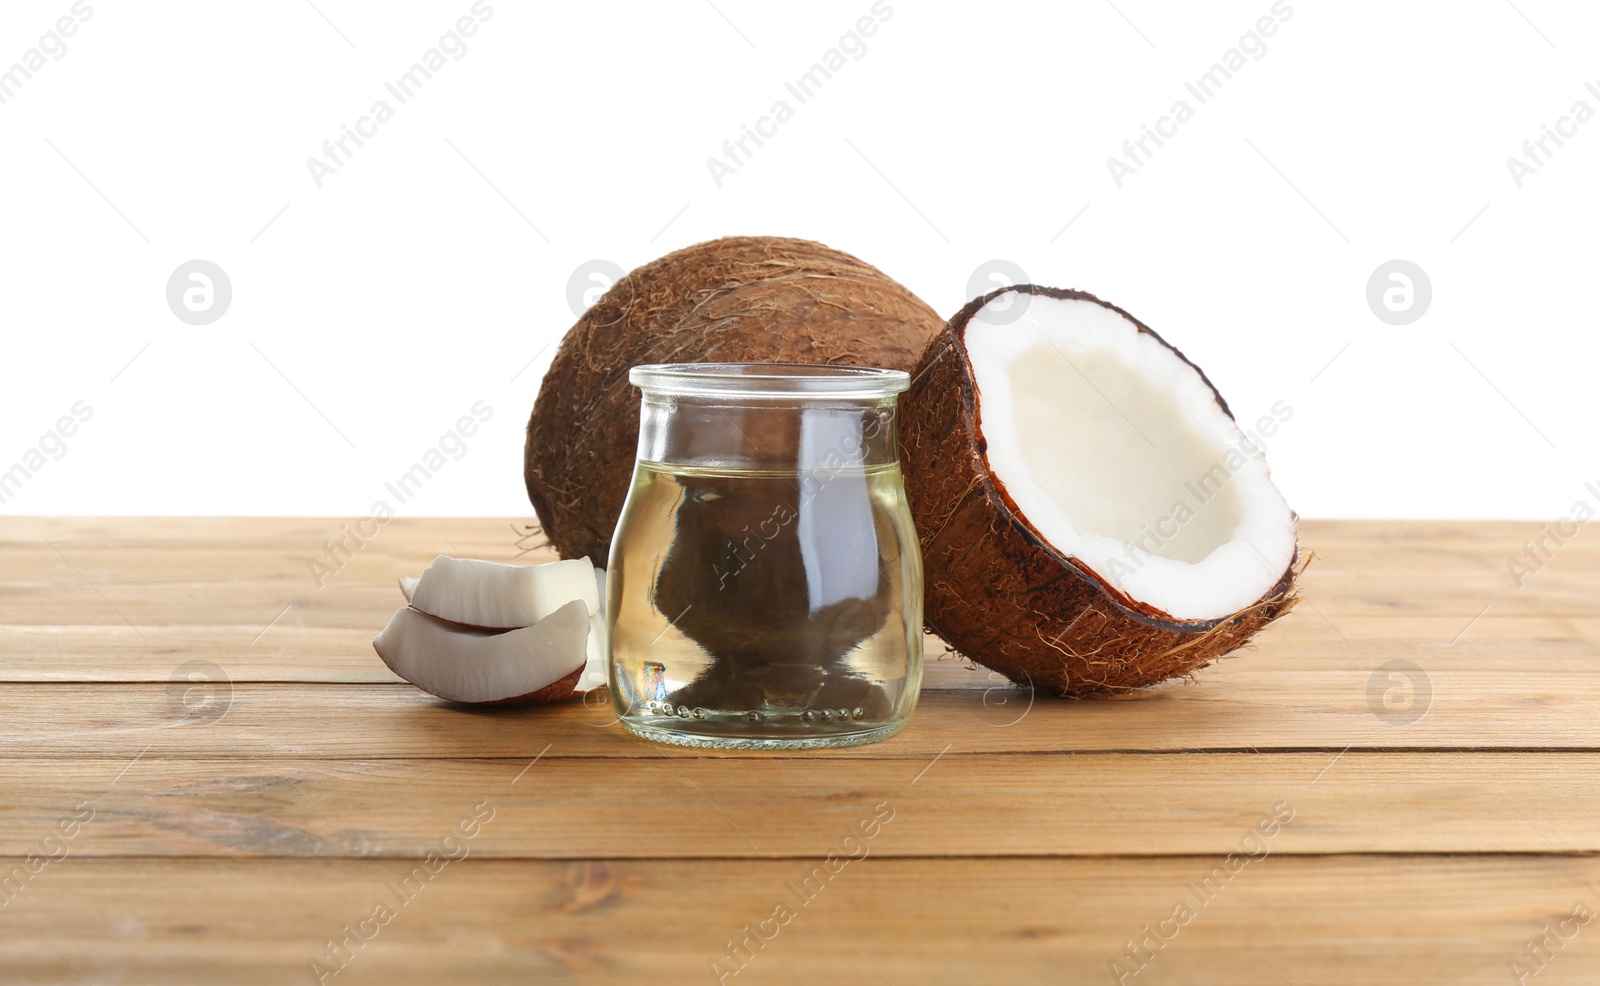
(540, 663)
(1091, 517)
(499, 596)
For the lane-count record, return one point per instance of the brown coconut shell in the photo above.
(746, 299)
(557, 691)
(997, 590)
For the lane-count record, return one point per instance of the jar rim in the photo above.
(769, 380)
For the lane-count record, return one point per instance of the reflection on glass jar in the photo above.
(765, 584)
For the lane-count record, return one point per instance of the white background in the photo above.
(369, 314)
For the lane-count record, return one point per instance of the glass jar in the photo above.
(765, 583)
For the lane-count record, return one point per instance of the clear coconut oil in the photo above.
(762, 606)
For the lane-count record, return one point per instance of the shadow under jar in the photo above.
(765, 584)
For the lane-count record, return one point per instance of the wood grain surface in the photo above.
(206, 776)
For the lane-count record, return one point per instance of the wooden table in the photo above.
(216, 777)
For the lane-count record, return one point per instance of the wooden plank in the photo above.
(140, 532)
(1051, 805)
(286, 558)
(1309, 921)
(1390, 533)
(1235, 709)
(277, 550)
(290, 651)
(368, 606)
(107, 588)
(119, 652)
(283, 651)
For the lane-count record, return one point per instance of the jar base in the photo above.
(725, 741)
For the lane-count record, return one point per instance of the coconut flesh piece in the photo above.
(1120, 454)
(500, 592)
(594, 671)
(468, 664)
(502, 597)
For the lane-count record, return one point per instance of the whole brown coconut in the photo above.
(1091, 518)
(744, 299)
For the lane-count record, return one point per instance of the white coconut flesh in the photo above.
(468, 664)
(498, 596)
(530, 589)
(1117, 453)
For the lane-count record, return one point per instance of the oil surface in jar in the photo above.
(764, 604)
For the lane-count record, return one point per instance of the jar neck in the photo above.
(798, 436)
